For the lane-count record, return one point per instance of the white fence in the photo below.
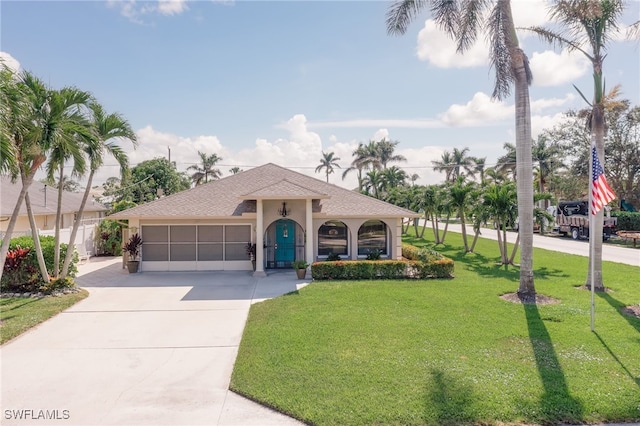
(85, 243)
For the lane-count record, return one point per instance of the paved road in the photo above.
(142, 349)
(611, 253)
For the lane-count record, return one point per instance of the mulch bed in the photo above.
(540, 299)
(633, 310)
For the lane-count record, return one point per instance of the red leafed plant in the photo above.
(18, 273)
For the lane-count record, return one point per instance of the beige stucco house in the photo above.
(44, 203)
(287, 215)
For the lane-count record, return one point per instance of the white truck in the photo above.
(572, 218)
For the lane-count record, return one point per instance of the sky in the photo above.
(283, 81)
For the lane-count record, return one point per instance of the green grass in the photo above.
(448, 351)
(19, 314)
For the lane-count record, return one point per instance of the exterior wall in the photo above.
(46, 222)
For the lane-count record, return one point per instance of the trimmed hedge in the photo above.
(627, 221)
(422, 264)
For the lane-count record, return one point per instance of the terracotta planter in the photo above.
(302, 273)
(133, 266)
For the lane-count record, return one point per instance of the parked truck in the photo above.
(572, 218)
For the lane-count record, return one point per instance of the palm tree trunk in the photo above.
(4, 249)
(56, 249)
(74, 231)
(515, 249)
(36, 240)
(464, 230)
(524, 171)
(446, 227)
(498, 230)
(475, 240)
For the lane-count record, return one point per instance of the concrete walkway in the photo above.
(142, 349)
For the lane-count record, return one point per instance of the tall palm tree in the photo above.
(27, 137)
(357, 164)
(479, 167)
(393, 177)
(373, 183)
(460, 193)
(385, 149)
(12, 108)
(587, 26)
(463, 164)
(66, 123)
(108, 131)
(548, 158)
(205, 169)
(463, 20)
(328, 162)
(506, 164)
(445, 164)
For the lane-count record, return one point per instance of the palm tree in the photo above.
(501, 202)
(444, 165)
(207, 170)
(28, 138)
(108, 130)
(235, 170)
(12, 108)
(413, 178)
(479, 167)
(460, 193)
(358, 164)
(385, 149)
(328, 162)
(463, 20)
(373, 183)
(547, 157)
(393, 177)
(66, 124)
(589, 23)
(506, 164)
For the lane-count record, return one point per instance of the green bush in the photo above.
(627, 221)
(109, 238)
(382, 269)
(28, 277)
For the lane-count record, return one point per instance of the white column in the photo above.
(309, 243)
(259, 272)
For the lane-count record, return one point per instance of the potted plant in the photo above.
(132, 248)
(301, 268)
(251, 252)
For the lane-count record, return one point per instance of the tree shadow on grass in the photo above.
(18, 305)
(556, 404)
(624, 367)
(449, 401)
(619, 306)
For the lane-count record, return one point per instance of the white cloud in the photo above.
(172, 7)
(381, 134)
(134, 10)
(540, 123)
(436, 47)
(539, 105)
(551, 69)
(528, 13)
(418, 123)
(11, 62)
(481, 110)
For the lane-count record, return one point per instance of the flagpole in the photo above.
(592, 251)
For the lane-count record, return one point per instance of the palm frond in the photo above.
(401, 13)
(470, 20)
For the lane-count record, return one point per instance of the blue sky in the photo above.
(281, 81)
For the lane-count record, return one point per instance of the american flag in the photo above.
(601, 192)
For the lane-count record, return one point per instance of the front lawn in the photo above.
(18, 314)
(448, 351)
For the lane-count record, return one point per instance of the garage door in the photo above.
(195, 247)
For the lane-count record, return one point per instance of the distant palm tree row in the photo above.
(41, 126)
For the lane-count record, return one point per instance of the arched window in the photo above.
(372, 236)
(332, 238)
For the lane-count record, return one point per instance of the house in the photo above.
(44, 203)
(287, 215)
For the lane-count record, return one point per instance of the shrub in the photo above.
(627, 221)
(382, 269)
(373, 254)
(57, 285)
(28, 277)
(332, 257)
(18, 274)
(109, 238)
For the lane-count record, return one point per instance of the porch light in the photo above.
(283, 211)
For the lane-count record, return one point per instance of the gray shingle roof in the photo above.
(234, 195)
(37, 194)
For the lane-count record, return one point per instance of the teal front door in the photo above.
(285, 243)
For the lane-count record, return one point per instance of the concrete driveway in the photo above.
(142, 349)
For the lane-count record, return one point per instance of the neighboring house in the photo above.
(288, 216)
(44, 202)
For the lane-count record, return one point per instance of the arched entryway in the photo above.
(284, 243)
